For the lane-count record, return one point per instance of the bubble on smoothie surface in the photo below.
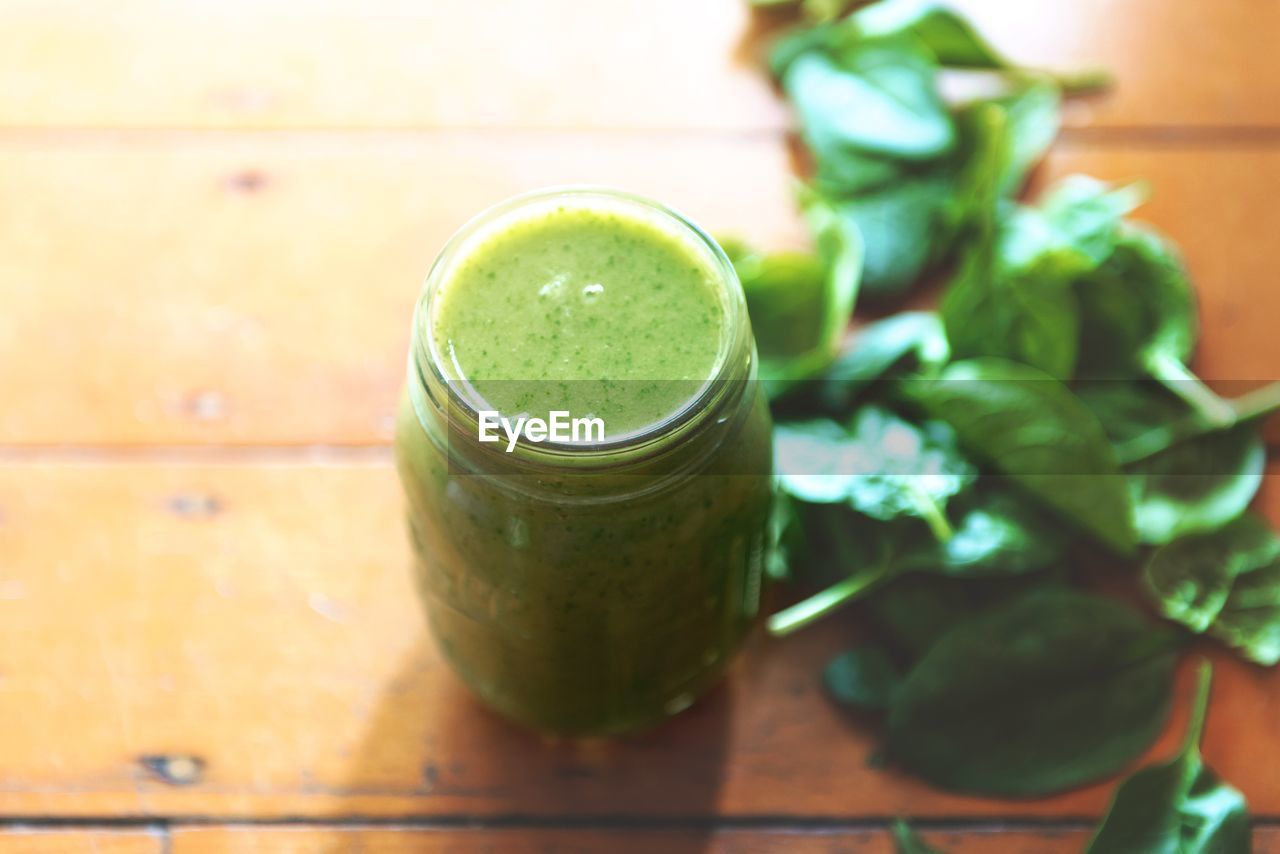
(592, 292)
(553, 288)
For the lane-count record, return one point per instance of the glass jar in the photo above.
(589, 588)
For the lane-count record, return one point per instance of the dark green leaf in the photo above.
(1250, 621)
(996, 534)
(904, 226)
(1138, 306)
(1027, 318)
(915, 611)
(1011, 297)
(1041, 695)
(911, 340)
(863, 677)
(1197, 485)
(1027, 425)
(1143, 418)
(1179, 807)
(1138, 317)
(1131, 409)
(1226, 583)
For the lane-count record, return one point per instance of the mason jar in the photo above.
(594, 585)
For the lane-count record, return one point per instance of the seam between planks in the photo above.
(942, 824)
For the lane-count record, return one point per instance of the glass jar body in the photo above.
(590, 617)
(588, 588)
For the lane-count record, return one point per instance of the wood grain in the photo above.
(254, 626)
(308, 840)
(40, 841)
(564, 63)
(186, 290)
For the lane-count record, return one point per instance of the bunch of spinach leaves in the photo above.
(948, 472)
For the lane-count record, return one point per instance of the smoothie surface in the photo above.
(598, 307)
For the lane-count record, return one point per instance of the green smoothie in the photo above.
(601, 310)
(605, 588)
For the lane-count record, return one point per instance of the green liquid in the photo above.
(591, 309)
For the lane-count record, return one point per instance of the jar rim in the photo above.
(726, 370)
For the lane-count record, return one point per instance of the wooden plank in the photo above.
(386, 841)
(563, 63)
(261, 291)
(26, 840)
(189, 290)
(243, 640)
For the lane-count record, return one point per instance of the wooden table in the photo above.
(214, 218)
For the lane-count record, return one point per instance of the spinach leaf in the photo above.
(1025, 424)
(1083, 216)
(866, 97)
(1191, 485)
(954, 41)
(914, 611)
(1044, 694)
(881, 465)
(1226, 583)
(1178, 806)
(1144, 421)
(863, 678)
(1031, 112)
(1138, 317)
(799, 303)
(1013, 296)
(1132, 409)
(1029, 317)
(907, 841)
(905, 227)
(880, 134)
(784, 292)
(1196, 485)
(910, 340)
(996, 534)
(1250, 621)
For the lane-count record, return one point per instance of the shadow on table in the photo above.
(429, 742)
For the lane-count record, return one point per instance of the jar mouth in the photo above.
(438, 371)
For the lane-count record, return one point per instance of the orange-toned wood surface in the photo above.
(31, 840)
(214, 218)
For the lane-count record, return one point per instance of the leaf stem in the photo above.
(1086, 80)
(1179, 379)
(1258, 403)
(1249, 406)
(931, 512)
(820, 604)
(1199, 708)
(1070, 82)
